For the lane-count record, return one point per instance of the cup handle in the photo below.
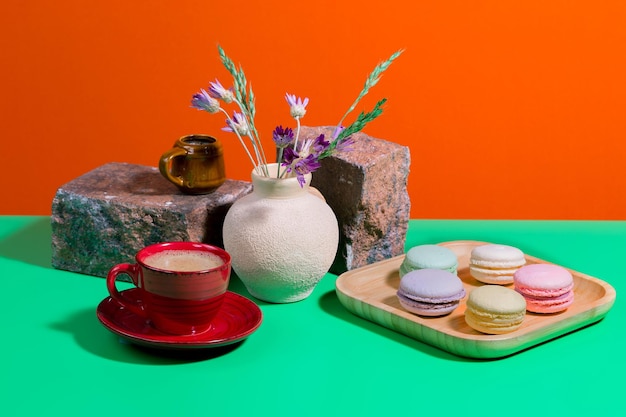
(132, 270)
(165, 165)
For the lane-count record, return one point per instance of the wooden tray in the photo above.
(370, 292)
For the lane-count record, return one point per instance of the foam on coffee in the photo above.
(184, 260)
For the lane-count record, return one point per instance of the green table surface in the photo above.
(311, 358)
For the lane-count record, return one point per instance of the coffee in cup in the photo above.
(182, 285)
(183, 261)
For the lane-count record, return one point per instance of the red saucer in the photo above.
(237, 319)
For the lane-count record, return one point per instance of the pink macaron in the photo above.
(547, 288)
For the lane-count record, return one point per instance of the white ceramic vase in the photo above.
(282, 238)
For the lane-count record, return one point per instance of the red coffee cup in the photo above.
(182, 285)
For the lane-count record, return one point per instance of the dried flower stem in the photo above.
(295, 143)
(298, 159)
(239, 136)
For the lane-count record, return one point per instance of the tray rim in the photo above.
(471, 346)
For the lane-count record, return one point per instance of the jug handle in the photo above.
(165, 164)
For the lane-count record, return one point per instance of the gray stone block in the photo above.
(367, 190)
(105, 216)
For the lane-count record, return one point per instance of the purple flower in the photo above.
(320, 145)
(313, 147)
(345, 145)
(218, 91)
(337, 132)
(237, 124)
(203, 101)
(297, 106)
(303, 166)
(289, 156)
(282, 137)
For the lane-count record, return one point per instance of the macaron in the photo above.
(547, 288)
(429, 257)
(494, 309)
(430, 292)
(495, 264)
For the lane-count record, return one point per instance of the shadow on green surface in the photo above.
(30, 244)
(331, 305)
(93, 337)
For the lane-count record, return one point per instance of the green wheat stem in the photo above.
(371, 81)
(356, 126)
(245, 101)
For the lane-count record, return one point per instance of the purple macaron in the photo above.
(430, 292)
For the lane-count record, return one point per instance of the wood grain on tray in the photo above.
(370, 292)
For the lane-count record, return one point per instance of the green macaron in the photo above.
(429, 257)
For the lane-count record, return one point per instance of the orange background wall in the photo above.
(511, 109)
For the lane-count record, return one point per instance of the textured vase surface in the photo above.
(282, 238)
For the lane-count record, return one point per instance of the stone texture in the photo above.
(367, 190)
(105, 216)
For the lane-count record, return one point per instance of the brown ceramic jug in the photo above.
(195, 164)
